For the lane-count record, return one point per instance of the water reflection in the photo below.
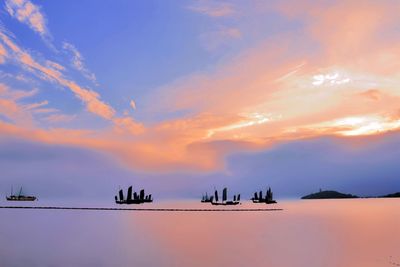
(359, 232)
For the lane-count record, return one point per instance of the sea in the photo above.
(305, 233)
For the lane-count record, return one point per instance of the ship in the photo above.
(207, 199)
(268, 199)
(133, 198)
(225, 201)
(20, 196)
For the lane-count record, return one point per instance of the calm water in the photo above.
(363, 232)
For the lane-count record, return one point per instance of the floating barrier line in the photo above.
(130, 209)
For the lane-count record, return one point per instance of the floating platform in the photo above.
(136, 209)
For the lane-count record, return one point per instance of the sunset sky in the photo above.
(182, 96)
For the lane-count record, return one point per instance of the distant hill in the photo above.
(328, 195)
(392, 195)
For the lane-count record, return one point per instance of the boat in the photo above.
(207, 199)
(268, 199)
(225, 201)
(20, 196)
(133, 197)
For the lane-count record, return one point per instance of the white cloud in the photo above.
(330, 78)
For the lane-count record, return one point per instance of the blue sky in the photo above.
(190, 94)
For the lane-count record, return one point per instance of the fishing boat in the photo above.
(20, 196)
(225, 201)
(133, 198)
(268, 199)
(207, 199)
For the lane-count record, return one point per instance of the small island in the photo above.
(328, 194)
(391, 195)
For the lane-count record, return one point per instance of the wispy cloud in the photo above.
(262, 96)
(16, 94)
(89, 97)
(53, 72)
(59, 118)
(12, 109)
(54, 65)
(132, 103)
(220, 37)
(28, 13)
(213, 8)
(128, 124)
(77, 62)
(34, 106)
(306, 100)
(3, 54)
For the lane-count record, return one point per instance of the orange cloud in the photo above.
(54, 65)
(279, 89)
(318, 80)
(77, 62)
(14, 111)
(91, 98)
(26, 12)
(372, 94)
(128, 124)
(3, 54)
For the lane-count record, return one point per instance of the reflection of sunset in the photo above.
(310, 233)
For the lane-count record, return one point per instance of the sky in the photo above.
(184, 96)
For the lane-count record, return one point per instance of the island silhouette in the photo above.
(331, 194)
(328, 194)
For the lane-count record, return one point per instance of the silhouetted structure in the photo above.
(225, 201)
(133, 199)
(268, 199)
(206, 198)
(20, 196)
(394, 195)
